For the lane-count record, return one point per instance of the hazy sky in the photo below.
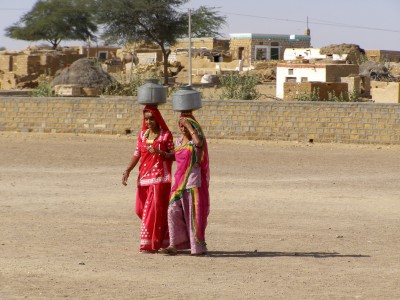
(371, 24)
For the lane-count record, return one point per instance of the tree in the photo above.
(155, 21)
(54, 21)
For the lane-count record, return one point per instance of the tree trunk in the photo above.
(166, 54)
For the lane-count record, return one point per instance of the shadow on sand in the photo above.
(280, 254)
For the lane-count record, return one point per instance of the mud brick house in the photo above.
(215, 49)
(38, 62)
(253, 47)
(203, 43)
(101, 53)
(19, 67)
(383, 55)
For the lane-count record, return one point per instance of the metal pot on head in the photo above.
(186, 99)
(151, 93)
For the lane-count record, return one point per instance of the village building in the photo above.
(311, 54)
(19, 68)
(101, 53)
(215, 49)
(383, 55)
(293, 79)
(254, 47)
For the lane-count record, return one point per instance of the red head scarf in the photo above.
(157, 115)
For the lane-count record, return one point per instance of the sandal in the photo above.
(171, 250)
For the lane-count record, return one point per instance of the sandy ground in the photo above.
(288, 221)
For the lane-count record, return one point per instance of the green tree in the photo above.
(160, 22)
(55, 21)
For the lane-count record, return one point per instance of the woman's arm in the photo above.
(197, 141)
(132, 164)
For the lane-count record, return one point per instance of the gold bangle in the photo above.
(193, 132)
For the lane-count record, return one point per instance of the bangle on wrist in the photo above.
(192, 132)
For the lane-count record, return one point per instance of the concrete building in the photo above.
(311, 72)
(253, 47)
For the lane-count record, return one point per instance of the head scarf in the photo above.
(157, 115)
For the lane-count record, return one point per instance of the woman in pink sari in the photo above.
(189, 201)
(154, 149)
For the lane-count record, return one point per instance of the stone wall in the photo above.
(335, 71)
(323, 89)
(383, 55)
(229, 119)
(6, 63)
(361, 85)
(385, 92)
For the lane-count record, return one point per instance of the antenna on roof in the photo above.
(308, 31)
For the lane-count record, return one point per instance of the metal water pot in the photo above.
(186, 99)
(151, 93)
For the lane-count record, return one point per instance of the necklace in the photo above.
(150, 136)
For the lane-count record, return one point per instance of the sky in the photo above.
(373, 25)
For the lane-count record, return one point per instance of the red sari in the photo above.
(153, 185)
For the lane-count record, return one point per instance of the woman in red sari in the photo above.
(189, 201)
(154, 150)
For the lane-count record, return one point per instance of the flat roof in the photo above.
(294, 37)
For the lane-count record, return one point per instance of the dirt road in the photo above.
(288, 221)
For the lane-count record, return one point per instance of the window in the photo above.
(266, 53)
(290, 72)
(274, 53)
(290, 79)
(261, 53)
(103, 55)
(304, 79)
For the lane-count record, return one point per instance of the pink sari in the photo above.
(185, 156)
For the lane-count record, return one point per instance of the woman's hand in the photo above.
(153, 150)
(185, 123)
(125, 177)
(163, 154)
